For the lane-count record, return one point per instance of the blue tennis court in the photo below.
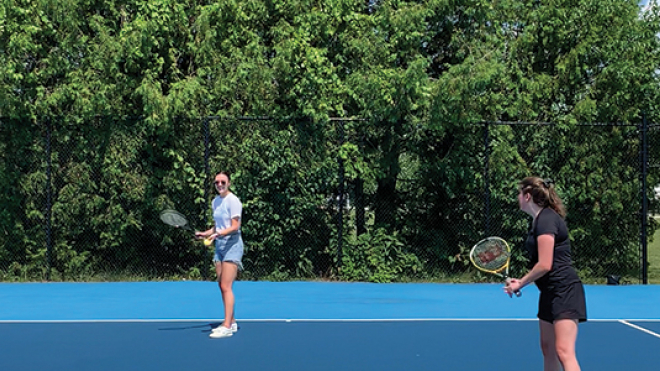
(311, 326)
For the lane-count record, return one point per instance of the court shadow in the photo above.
(208, 326)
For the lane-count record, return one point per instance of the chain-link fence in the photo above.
(653, 161)
(650, 258)
(330, 200)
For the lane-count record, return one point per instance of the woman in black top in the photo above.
(562, 302)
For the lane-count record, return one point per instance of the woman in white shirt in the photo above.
(226, 234)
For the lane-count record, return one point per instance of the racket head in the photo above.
(174, 218)
(491, 255)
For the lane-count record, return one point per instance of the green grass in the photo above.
(654, 258)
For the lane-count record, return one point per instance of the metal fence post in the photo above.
(207, 177)
(49, 199)
(486, 182)
(644, 210)
(340, 198)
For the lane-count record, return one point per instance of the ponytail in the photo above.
(543, 193)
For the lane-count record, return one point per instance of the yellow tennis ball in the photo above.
(208, 242)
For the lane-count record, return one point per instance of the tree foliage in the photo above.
(144, 100)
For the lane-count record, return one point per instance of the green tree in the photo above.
(562, 63)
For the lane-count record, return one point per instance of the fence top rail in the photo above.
(349, 119)
(544, 123)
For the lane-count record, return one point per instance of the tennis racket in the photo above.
(492, 255)
(178, 220)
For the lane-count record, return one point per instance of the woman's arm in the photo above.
(546, 246)
(206, 233)
(546, 243)
(235, 225)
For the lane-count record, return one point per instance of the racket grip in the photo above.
(518, 293)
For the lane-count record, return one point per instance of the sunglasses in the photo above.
(220, 182)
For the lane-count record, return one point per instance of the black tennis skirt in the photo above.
(567, 302)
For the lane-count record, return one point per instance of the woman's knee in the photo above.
(225, 285)
(548, 347)
(565, 350)
(547, 338)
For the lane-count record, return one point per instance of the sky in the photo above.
(644, 3)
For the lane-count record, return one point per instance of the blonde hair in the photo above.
(543, 193)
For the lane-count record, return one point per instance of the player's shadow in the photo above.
(207, 326)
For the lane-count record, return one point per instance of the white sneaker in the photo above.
(221, 332)
(233, 328)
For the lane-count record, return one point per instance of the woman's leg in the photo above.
(226, 282)
(218, 275)
(566, 331)
(548, 348)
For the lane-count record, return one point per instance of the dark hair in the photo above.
(543, 193)
(225, 173)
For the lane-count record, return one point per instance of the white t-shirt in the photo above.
(225, 209)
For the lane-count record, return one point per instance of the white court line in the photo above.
(165, 320)
(151, 320)
(640, 328)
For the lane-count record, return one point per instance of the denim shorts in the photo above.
(229, 249)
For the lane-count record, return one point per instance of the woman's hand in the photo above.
(513, 285)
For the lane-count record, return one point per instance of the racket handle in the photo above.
(518, 293)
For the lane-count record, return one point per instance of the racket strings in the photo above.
(491, 255)
(173, 218)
